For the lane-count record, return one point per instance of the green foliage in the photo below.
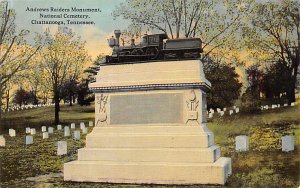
(250, 104)
(225, 84)
(277, 81)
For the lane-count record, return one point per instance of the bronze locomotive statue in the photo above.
(154, 47)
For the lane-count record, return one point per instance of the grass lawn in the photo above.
(263, 166)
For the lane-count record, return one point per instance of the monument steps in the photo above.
(149, 141)
(192, 155)
(154, 128)
(150, 172)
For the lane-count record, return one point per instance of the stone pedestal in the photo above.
(150, 127)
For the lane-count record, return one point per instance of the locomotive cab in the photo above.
(154, 47)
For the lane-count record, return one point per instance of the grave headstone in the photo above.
(12, 132)
(234, 107)
(285, 105)
(32, 131)
(91, 123)
(76, 135)
(62, 148)
(218, 110)
(27, 130)
(73, 126)
(29, 139)
(84, 130)
(224, 109)
(82, 125)
(44, 128)
(241, 143)
(210, 115)
(230, 112)
(222, 113)
(59, 127)
(66, 131)
(237, 110)
(292, 104)
(266, 107)
(45, 135)
(50, 130)
(278, 105)
(288, 143)
(2, 140)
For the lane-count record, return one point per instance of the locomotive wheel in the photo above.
(137, 52)
(152, 53)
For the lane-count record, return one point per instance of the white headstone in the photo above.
(285, 105)
(2, 140)
(210, 115)
(62, 148)
(67, 131)
(230, 112)
(218, 110)
(44, 128)
(292, 104)
(32, 131)
(91, 123)
(73, 126)
(278, 105)
(84, 130)
(12, 132)
(45, 135)
(27, 130)
(266, 107)
(29, 139)
(59, 127)
(237, 110)
(234, 107)
(241, 143)
(222, 113)
(50, 130)
(224, 109)
(82, 125)
(76, 135)
(288, 143)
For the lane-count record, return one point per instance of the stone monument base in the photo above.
(156, 154)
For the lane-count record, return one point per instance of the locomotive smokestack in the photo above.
(117, 34)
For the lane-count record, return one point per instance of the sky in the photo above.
(95, 35)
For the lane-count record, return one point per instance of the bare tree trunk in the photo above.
(70, 98)
(56, 101)
(0, 99)
(7, 99)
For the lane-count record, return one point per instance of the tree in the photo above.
(22, 97)
(225, 88)
(213, 21)
(68, 91)
(273, 32)
(276, 81)
(62, 58)
(14, 52)
(85, 96)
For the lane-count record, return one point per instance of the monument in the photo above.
(150, 127)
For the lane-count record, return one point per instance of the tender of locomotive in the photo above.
(154, 47)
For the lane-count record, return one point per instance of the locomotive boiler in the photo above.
(153, 47)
